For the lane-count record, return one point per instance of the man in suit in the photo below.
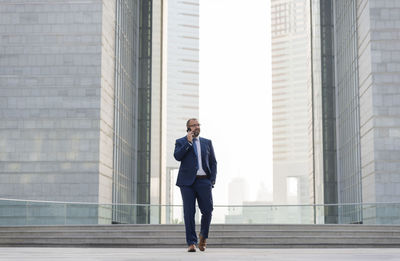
(196, 178)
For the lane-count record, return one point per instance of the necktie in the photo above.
(195, 151)
(195, 146)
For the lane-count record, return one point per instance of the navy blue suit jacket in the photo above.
(184, 153)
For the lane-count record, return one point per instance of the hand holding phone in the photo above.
(189, 135)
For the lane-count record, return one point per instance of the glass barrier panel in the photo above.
(25, 212)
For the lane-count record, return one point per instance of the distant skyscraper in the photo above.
(183, 75)
(81, 101)
(237, 194)
(290, 45)
(355, 98)
(263, 193)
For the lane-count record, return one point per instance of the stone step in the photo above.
(169, 241)
(213, 233)
(246, 227)
(254, 236)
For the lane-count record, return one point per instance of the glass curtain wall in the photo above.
(328, 110)
(125, 109)
(132, 110)
(336, 120)
(144, 111)
(323, 98)
(347, 110)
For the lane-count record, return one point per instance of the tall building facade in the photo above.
(356, 108)
(322, 104)
(183, 78)
(81, 100)
(290, 45)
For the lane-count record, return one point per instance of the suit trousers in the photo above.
(200, 190)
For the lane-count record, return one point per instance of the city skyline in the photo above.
(84, 104)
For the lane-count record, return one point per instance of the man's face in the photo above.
(195, 127)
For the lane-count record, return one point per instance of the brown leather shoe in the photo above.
(202, 243)
(192, 248)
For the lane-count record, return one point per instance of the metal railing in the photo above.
(15, 212)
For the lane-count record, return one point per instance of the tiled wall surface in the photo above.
(56, 99)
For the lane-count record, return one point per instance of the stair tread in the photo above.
(214, 237)
(228, 235)
(212, 225)
(213, 231)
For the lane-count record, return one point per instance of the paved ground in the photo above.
(125, 254)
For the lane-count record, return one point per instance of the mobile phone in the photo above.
(188, 129)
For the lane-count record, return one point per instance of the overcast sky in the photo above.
(235, 91)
